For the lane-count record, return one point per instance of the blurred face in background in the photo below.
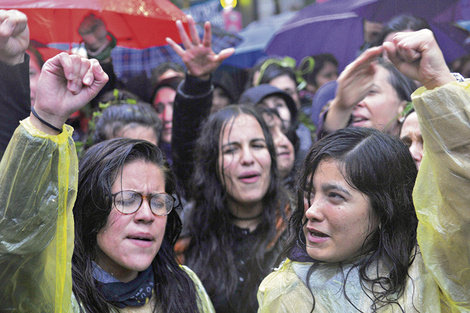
(372, 31)
(163, 104)
(34, 72)
(286, 83)
(285, 154)
(328, 73)
(220, 99)
(279, 104)
(411, 135)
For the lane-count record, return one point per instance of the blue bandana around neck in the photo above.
(135, 293)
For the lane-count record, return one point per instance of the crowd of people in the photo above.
(303, 191)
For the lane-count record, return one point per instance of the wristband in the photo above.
(44, 122)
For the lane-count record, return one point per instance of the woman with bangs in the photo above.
(239, 208)
(370, 238)
(126, 226)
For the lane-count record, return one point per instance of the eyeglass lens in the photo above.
(128, 202)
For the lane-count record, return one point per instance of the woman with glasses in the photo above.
(125, 229)
(125, 223)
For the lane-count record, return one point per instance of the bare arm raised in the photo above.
(353, 85)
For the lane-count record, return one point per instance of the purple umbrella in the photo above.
(431, 10)
(336, 27)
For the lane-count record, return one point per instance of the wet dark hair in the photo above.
(275, 70)
(99, 167)
(35, 52)
(212, 232)
(403, 85)
(381, 167)
(401, 23)
(117, 117)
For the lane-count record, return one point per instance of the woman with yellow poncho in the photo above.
(38, 176)
(360, 245)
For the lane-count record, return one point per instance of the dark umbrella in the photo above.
(336, 27)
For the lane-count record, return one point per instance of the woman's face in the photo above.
(220, 99)
(129, 243)
(244, 161)
(328, 73)
(339, 217)
(163, 103)
(277, 103)
(285, 154)
(411, 135)
(284, 82)
(34, 72)
(381, 107)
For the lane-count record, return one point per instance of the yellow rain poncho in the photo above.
(440, 275)
(38, 184)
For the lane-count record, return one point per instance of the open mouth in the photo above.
(140, 238)
(317, 234)
(359, 119)
(284, 154)
(249, 177)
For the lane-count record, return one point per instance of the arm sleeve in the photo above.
(192, 106)
(442, 190)
(15, 101)
(38, 184)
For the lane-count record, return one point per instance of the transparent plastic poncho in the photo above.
(38, 184)
(439, 278)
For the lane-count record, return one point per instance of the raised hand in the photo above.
(66, 84)
(14, 36)
(198, 56)
(418, 56)
(354, 84)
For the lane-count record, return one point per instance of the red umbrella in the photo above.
(135, 23)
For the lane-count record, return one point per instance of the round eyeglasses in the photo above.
(128, 202)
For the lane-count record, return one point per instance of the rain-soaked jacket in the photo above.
(440, 274)
(38, 179)
(38, 184)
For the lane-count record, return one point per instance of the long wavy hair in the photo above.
(381, 167)
(98, 169)
(210, 253)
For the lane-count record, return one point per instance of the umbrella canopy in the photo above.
(135, 23)
(336, 27)
(254, 38)
(431, 10)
